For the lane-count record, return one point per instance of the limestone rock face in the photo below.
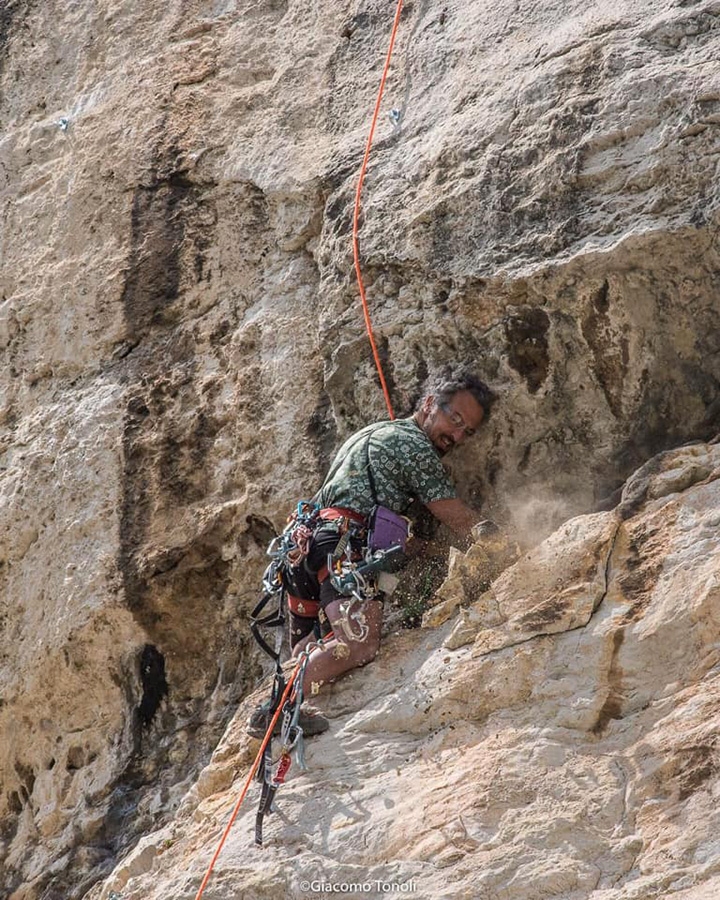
(556, 753)
(181, 349)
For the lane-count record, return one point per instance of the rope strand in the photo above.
(356, 215)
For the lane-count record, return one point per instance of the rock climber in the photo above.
(376, 475)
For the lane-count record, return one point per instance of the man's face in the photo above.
(453, 421)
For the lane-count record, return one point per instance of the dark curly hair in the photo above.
(448, 382)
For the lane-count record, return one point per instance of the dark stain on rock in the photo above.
(526, 334)
(75, 759)
(525, 458)
(710, 425)
(12, 13)
(664, 419)
(422, 373)
(135, 510)
(322, 431)
(14, 804)
(260, 529)
(685, 770)
(27, 780)
(637, 585)
(440, 299)
(252, 400)
(11, 879)
(634, 493)
(601, 301)
(609, 498)
(383, 347)
(612, 707)
(170, 589)
(161, 217)
(610, 350)
(442, 231)
(182, 451)
(338, 215)
(544, 615)
(693, 767)
(176, 593)
(154, 683)
(643, 567)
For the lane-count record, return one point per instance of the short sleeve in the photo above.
(407, 462)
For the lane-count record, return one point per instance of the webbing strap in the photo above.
(274, 619)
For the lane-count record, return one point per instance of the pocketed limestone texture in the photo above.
(546, 753)
(181, 350)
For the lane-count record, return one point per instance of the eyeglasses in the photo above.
(456, 419)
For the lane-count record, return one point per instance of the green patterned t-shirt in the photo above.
(405, 465)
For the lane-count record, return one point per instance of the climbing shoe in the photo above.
(311, 721)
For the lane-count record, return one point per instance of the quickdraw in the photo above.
(271, 774)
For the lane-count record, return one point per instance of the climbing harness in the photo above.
(356, 214)
(351, 573)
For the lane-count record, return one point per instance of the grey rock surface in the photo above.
(182, 347)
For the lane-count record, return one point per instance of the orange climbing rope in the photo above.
(249, 779)
(356, 215)
(386, 393)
